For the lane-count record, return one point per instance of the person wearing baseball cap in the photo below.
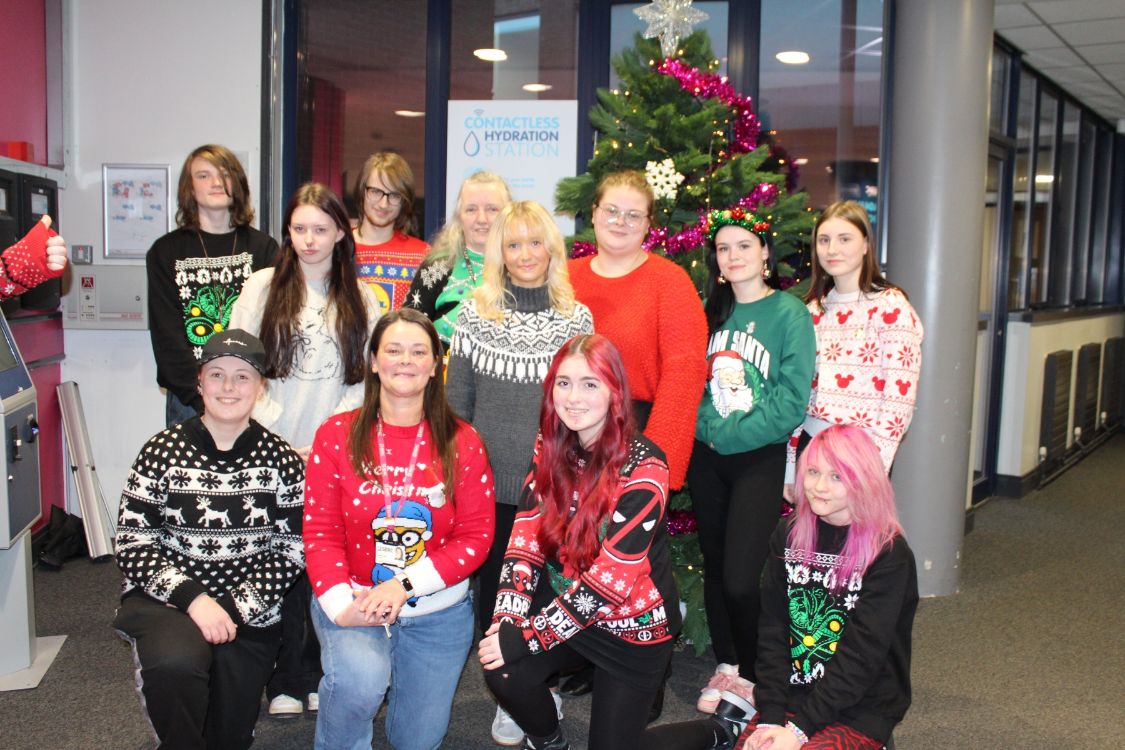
(208, 542)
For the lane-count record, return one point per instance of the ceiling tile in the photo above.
(1103, 53)
(1054, 57)
(1078, 74)
(1011, 16)
(1105, 31)
(1114, 72)
(1061, 11)
(1031, 37)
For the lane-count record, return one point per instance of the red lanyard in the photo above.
(408, 478)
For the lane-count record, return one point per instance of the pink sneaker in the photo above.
(709, 696)
(744, 689)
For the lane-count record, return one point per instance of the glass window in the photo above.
(1062, 233)
(1021, 194)
(536, 43)
(1102, 186)
(624, 25)
(1087, 145)
(1041, 212)
(362, 89)
(826, 112)
(997, 104)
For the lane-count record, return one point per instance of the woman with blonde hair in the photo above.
(386, 256)
(453, 269)
(503, 343)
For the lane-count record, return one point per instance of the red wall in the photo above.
(23, 74)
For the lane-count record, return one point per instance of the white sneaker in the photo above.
(285, 705)
(558, 703)
(505, 730)
(312, 702)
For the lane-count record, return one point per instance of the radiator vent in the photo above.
(1056, 406)
(1112, 374)
(1086, 389)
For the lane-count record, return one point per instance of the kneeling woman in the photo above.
(587, 577)
(208, 541)
(399, 513)
(839, 591)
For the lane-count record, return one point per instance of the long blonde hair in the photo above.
(492, 296)
(449, 241)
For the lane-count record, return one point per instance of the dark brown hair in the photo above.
(287, 293)
(395, 174)
(221, 157)
(870, 275)
(435, 410)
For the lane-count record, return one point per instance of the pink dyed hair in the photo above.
(871, 501)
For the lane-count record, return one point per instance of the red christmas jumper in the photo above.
(389, 267)
(341, 508)
(654, 317)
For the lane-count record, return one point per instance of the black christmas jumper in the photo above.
(627, 597)
(835, 657)
(194, 278)
(195, 519)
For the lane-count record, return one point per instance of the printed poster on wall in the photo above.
(531, 144)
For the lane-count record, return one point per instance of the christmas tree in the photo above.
(698, 142)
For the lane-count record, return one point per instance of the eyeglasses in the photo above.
(614, 215)
(376, 195)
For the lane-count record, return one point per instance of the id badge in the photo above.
(391, 555)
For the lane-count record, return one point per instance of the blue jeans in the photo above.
(417, 669)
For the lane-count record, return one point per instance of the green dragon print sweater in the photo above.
(194, 279)
(835, 656)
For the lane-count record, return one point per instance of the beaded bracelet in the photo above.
(797, 731)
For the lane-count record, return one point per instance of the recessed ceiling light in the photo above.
(800, 162)
(874, 160)
(536, 87)
(489, 54)
(1044, 179)
(409, 113)
(793, 57)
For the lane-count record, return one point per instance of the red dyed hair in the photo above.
(558, 475)
(871, 500)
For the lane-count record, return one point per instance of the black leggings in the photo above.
(196, 695)
(298, 670)
(488, 577)
(737, 501)
(616, 721)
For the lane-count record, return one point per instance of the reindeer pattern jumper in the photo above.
(195, 519)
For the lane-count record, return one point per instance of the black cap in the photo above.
(235, 343)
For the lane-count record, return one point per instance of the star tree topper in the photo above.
(671, 20)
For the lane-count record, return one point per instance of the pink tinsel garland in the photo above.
(746, 125)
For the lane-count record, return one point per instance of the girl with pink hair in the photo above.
(839, 592)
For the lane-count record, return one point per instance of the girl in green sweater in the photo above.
(761, 353)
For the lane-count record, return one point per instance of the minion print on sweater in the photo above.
(400, 541)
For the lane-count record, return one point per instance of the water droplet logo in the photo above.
(472, 144)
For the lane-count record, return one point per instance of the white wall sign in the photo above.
(531, 144)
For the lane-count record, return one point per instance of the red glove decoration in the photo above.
(24, 264)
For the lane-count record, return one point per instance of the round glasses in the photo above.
(614, 215)
(376, 195)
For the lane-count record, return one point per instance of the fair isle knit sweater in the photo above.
(868, 358)
(653, 315)
(496, 371)
(195, 519)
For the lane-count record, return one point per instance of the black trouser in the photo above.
(737, 501)
(298, 670)
(616, 720)
(197, 696)
(488, 577)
